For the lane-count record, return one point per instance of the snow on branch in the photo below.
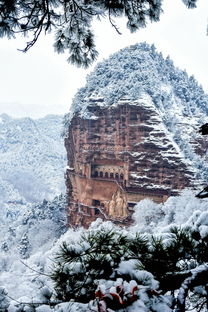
(199, 277)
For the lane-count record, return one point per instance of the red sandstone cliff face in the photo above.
(118, 157)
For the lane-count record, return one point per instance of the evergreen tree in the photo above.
(24, 246)
(72, 21)
(4, 301)
(114, 269)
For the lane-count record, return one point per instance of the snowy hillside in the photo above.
(32, 160)
(139, 72)
(32, 214)
(34, 231)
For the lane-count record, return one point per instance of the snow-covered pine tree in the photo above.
(115, 269)
(4, 301)
(24, 246)
(72, 21)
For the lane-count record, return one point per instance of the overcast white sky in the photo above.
(41, 82)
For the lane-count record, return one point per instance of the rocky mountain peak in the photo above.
(132, 133)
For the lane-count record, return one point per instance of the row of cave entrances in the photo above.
(108, 175)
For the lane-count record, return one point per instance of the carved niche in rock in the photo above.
(118, 205)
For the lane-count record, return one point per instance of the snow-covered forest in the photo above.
(158, 264)
(32, 161)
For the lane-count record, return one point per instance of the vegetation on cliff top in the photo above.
(140, 69)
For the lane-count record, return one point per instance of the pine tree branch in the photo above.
(39, 273)
(199, 276)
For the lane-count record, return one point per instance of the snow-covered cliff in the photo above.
(132, 133)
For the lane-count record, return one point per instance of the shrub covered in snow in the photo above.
(111, 268)
(153, 218)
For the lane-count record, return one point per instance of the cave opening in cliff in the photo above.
(96, 202)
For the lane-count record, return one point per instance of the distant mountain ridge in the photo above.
(32, 159)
